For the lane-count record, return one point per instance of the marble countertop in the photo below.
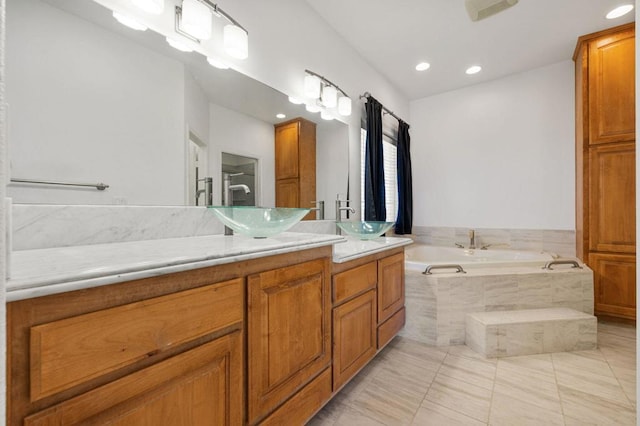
(352, 248)
(42, 272)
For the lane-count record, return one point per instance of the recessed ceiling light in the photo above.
(619, 11)
(474, 69)
(128, 21)
(280, 115)
(422, 66)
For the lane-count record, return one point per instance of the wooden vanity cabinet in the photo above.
(368, 310)
(605, 166)
(295, 155)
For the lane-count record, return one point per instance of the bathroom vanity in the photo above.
(251, 332)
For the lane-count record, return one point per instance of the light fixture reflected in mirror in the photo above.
(236, 42)
(155, 7)
(318, 87)
(217, 62)
(128, 21)
(182, 46)
(196, 19)
(325, 115)
(295, 101)
(313, 108)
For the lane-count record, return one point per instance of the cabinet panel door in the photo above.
(612, 88)
(202, 386)
(287, 193)
(612, 198)
(390, 286)
(614, 278)
(354, 336)
(289, 332)
(287, 151)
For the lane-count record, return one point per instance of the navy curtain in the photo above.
(374, 198)
(405, 190)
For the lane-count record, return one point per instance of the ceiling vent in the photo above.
(480, 9)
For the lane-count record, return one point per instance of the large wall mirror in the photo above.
(92, 101)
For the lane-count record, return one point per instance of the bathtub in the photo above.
(419, 256)
(496, 280)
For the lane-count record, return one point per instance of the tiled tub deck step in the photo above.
(530, 331)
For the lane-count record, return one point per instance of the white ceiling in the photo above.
(393, 36)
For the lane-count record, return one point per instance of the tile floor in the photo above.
(411, 383)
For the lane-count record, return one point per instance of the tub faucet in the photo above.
(472, 239)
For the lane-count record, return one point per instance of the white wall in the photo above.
(91, 108)
(497, 154)
(239, 134)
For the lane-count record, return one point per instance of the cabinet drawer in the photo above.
(68, 352)
(390, 328)
(354, 281)
(304, 404)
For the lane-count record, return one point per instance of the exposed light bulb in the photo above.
(344, 106)
(218, 63)
(619, 11)
(329, 96)
(155, 7)
(423, 66)
(312, 86)
(128, 21)
(295, 101)
(179, 44)
(473, 69)
(236, 42)
(196, 19)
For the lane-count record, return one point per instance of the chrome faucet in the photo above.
(227, 194)
(340, 209)
(319, 207)
(472, 239)
(207, 191)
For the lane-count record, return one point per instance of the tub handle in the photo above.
(561, 262)
(430, 267)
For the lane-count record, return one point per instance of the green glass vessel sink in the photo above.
(258, 222)
(365, 230)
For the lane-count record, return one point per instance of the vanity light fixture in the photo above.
(196, 19)
(179, 44)
(128, 21)
(313, 108)
(620, 11)
(474, 69)
(423, 66)
(193, 21)
(325, 115)
(217, 63)
(155, 7)
(295, 101)
(330, 94)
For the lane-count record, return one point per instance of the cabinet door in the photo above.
(289, 332)
(287, 193)
(614, 278)
(612, 88)
(354, 336)
(612, 198)
(202, 386)
(286, 147)
(390, 286)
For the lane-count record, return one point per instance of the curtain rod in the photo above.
(387, 110)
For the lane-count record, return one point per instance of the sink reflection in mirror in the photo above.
(112, 105)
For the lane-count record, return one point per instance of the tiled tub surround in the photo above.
(437, 304)
(562, 242)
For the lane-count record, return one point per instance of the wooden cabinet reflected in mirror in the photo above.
(295, 152)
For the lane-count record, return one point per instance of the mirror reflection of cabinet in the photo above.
(295, 152)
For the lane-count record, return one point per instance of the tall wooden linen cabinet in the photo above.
(295, 152)
(605, 167)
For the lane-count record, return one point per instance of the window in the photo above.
(390, 175)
